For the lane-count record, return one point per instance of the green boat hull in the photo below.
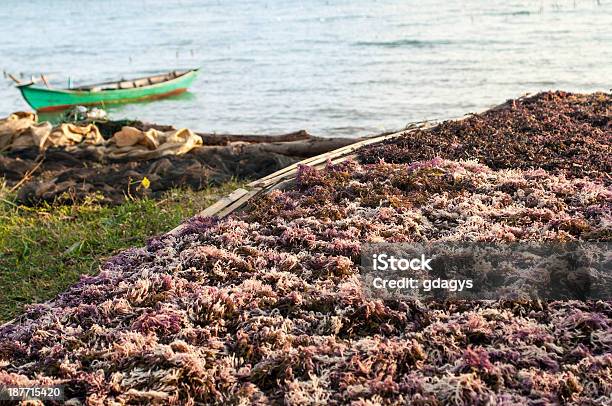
(46, 99)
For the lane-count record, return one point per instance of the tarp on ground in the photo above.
(13, 125)
(21, 130)
(132, 143)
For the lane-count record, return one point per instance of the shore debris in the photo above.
(70, 163)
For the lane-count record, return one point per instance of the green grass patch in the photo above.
(44, 250)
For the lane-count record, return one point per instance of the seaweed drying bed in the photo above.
(265, 306)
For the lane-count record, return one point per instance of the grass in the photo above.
(44, 250)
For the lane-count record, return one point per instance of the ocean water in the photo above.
(334, 68)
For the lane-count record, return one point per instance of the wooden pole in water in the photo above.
(14, 78)
(44, 79)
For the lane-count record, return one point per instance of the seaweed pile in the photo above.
(266, 306)
(555, 131)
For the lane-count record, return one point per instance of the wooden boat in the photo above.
(123, 91)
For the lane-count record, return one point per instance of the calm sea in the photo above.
(332, 67)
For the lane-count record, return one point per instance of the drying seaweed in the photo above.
(555, 131)
(265, 306)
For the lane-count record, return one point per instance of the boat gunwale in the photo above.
(62, 107)
(32, 85)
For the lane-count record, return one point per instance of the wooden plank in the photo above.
(306, 148)
(323, 157)
(224, 202)
(280, 186)
(216, 207)
(223, 139)
(238, 203)
(294, 166)
(292, 169)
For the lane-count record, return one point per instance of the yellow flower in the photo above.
(145, 182)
